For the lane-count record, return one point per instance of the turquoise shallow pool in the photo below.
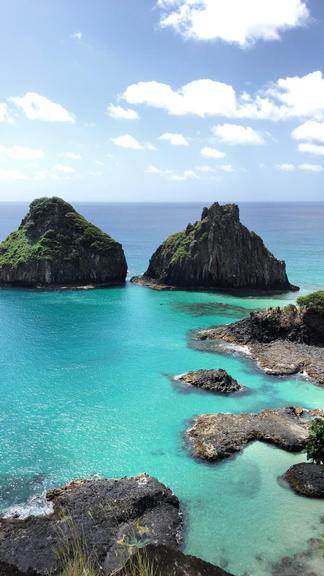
(86, 389)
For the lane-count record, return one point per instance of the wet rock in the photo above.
(217, 252)
(106, 515)
(55, 246)
(216, 436)
(218, 381)
(306, 479)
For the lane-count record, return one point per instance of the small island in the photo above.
(283, 341)
(216, 381)
(216, 253)
(216, 436)
(55, 246)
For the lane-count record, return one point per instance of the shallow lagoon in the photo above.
(86, 389)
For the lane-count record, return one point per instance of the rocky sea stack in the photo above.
(56, 246)
(217, 252)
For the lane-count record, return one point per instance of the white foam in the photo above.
(35, 506)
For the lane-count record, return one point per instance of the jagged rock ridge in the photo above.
(217, 252)
(56, 246)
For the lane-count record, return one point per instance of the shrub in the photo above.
(315, 444)
(314, 301)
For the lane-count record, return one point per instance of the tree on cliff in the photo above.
(315, 444)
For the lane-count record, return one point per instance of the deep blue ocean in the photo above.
(86, 389)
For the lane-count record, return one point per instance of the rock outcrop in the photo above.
(218, 381)
(284, 341)
(107, 516)
(217, 252)
(171, 562)
(306, 479)
(56, 246)
(216, 436)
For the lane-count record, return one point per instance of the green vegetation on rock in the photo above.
(315, 444)
(314, 301)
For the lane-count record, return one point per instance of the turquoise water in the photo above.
(86, 389)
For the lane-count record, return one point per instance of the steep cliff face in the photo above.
(56, 246)
(217, 252)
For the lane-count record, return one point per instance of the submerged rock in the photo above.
(107, 516)
(216, 436)
(218, 381)
(306, 479)
(217, 252)
(170, 562)
(284, 341)
(56, 246)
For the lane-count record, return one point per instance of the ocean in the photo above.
(86, 387)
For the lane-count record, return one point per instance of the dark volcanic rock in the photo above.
(216, 436)
(282, 340)
(107, 515)
(218, 381)
(217, 252)
(170, 562)
(56, 246)
(306, 479)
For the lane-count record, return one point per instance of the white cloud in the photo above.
(72, 156)
(185, 175)
(310, 130)
(5, 116)
(286, 167)
(311, 148)
(77, 35)
(237, 134)
(208, 152)
(128, 141)
(300, 97)
(235, 21)
(119, 112)
(37, 107)
(227, 168)
(21, 153)
(174, 139)
(310, 167)
(64, 169)
(12, 175)
(99, 163)
(205, 169)
(154, 170)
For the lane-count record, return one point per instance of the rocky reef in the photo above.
(216, 436)
(218, 381)
(106, 514)
(217, 252)
(284, 341)
(306, 479)
(56, 246)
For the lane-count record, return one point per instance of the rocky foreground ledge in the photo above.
(306, 479)
(108, 520)
(217, 436)
(217, 381)
(283, 341)
(217, 253)
(56, 247)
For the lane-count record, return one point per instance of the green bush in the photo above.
(315, 444)
(314, 301)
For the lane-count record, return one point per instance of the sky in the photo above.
(162, 100)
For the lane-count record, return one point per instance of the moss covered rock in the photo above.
(56, 246)
(217, 252)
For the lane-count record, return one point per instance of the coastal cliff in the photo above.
(56, 246)
(217, 252)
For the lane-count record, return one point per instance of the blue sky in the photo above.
(152, 100)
